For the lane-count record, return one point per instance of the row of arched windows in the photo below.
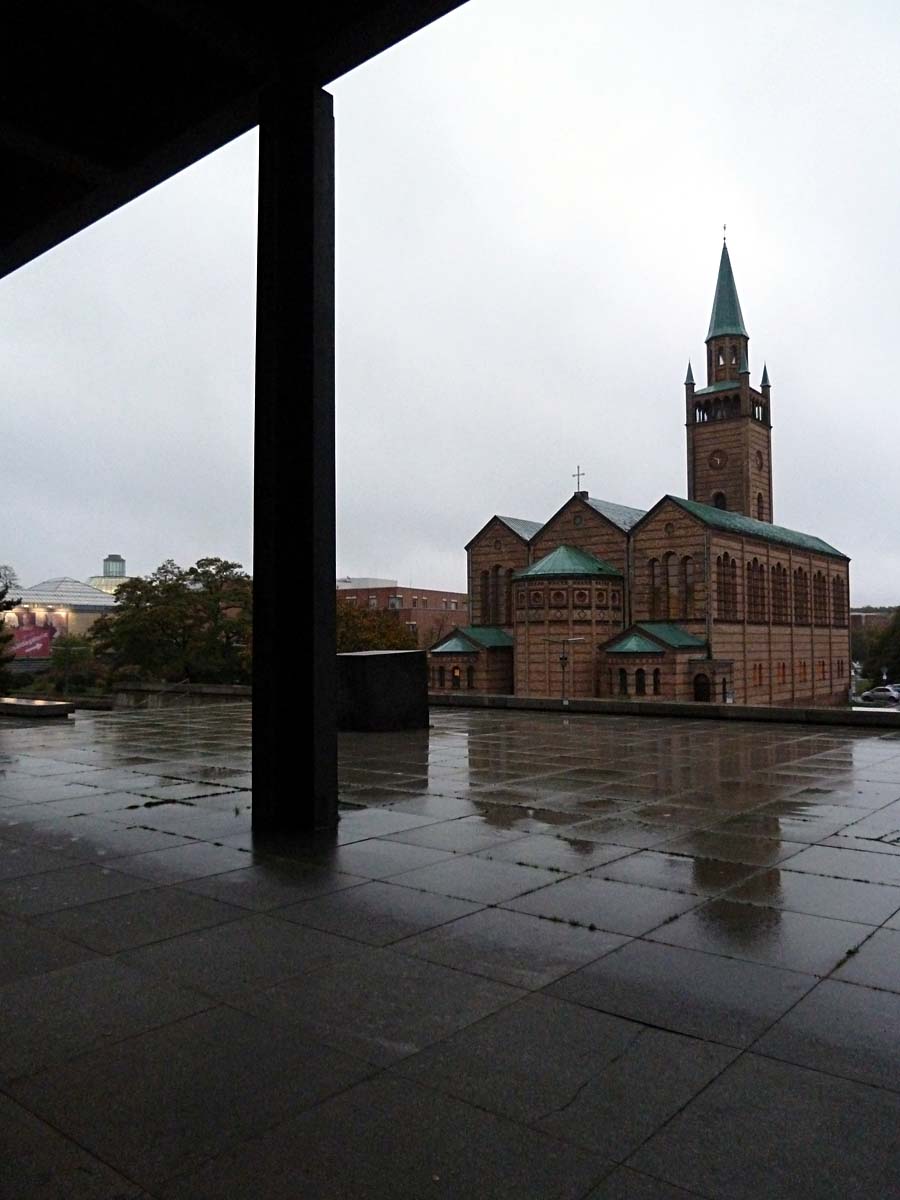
(782, 593)
(672, 581)
(641, 681)
(441, 678)
(719, 409)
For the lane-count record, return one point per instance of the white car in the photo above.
(889, 694)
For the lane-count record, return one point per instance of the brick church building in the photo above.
(703, 598)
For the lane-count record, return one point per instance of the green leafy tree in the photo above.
(370, 629)
(176, 625)
(72, 663)
(884, 654)
(7, 602)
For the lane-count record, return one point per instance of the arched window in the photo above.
(496, 595)
(656, 609)
(780, 605)
(820, 599)
(623, 682)
(455, 677)
(687, 586)
(657, 681)
(485, 595)
(470, 677)
(442, 679)
(761, 609)
(720, 358)
(640, 682)
(801, 597)
(838, 601)
(724, 692)
(726, 588)
(760, 509)
(508, 597)
(670, 570)
(719, 500)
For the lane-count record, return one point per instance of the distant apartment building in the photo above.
(428, 613)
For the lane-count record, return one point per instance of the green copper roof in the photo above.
(567, 560)
(456, 644)
(469, 639)
(636, 641)
(689, 378)
(724, 385)
(765, 378)
(726, 310)
(487, 635)
(732, 522)
(619, 514)
(672, 635)
(525, 529)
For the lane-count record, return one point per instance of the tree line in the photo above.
(178, 625)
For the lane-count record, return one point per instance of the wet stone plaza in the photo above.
(585, 957)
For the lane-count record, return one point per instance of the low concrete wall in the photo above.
(866, 718)
(100, 703)
(31, 709)
(381, 690)
(168, 695)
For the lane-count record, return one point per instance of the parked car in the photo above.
(889, 694)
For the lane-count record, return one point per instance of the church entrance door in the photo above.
(701, 688)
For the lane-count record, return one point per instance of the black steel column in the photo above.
(295, 783)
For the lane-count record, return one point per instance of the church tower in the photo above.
(729, 427)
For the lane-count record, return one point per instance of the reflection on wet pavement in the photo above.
(606, 956)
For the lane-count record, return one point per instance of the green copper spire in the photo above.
(765, 378)
(690, 375)
(726, 311)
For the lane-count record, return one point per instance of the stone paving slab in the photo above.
(422, 1007)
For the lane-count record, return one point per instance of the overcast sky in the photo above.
(530, 207)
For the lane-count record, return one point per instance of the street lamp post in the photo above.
(563, 644)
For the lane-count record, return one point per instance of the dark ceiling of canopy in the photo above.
(102, 99)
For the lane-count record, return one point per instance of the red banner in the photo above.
(33, 641)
